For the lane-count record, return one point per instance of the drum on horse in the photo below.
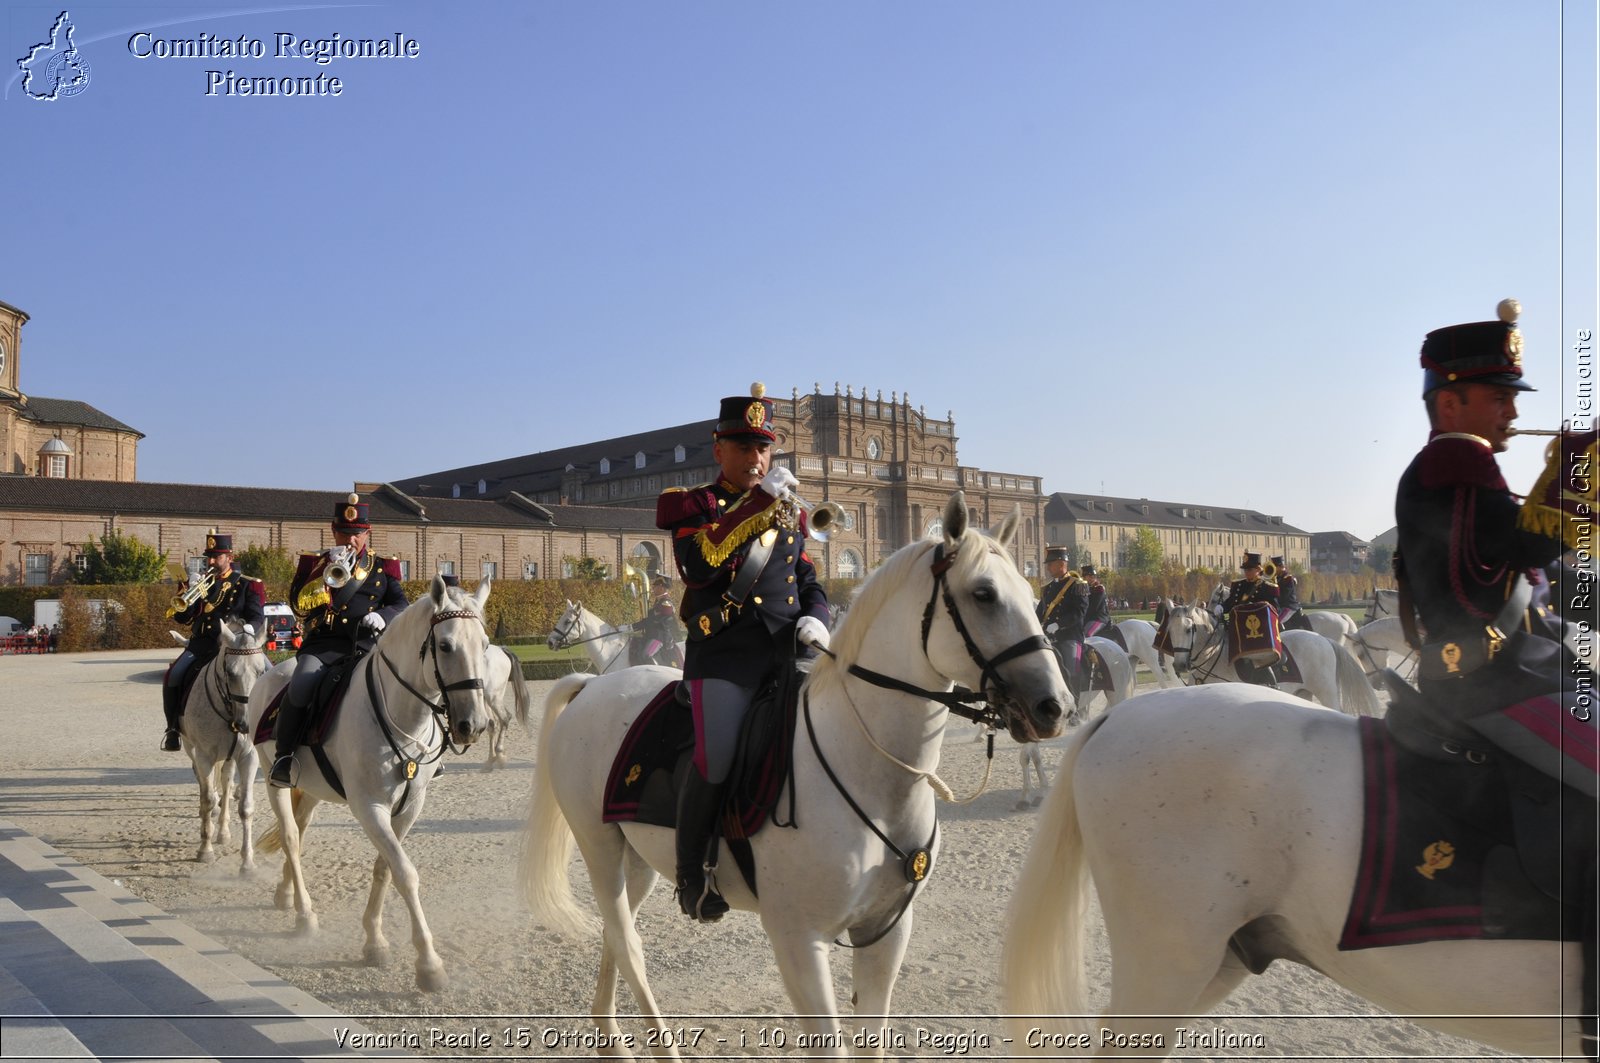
(937, 613)
(1328, 672)
(214, 735)
(1222, 827)
(506, 691)
(382, 749)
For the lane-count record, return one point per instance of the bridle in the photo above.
(1193, 652)
(220, 695)
(440, 708)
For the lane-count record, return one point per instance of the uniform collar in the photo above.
(1437, 435)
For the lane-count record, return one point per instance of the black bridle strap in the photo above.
(916, 884)
(959, 701)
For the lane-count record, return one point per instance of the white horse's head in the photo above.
(972, 611)
(1188, 629)
(565, 633)
(244, 660)
(448, 626)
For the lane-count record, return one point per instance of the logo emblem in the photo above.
(349, 512)
(1252, 626)
(755, 415)
(1435, 858)
(705, 626)
(1514, 346)
(917, 865)
(55, 69)
(1450, 654)
(633, 775)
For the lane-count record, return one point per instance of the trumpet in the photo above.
(196, 590)
(1534, 432)
(341, 567)
(820, 517)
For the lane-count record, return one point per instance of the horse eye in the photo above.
(985, 594)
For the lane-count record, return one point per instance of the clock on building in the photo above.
(874, 448)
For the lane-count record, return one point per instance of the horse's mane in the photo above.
(885, 581)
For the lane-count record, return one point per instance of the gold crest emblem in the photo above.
(705, 626)
(349, 512)
(755, 415)
(1450, 654)
(211, 542)
(1514, 346)
(633, 775)
(411, 769)
(917, 865)
(1435, 858)
(1252, 626)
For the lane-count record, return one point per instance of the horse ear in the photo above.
(483, 592)
(439, 592)
(1008, 527)
(955, 518)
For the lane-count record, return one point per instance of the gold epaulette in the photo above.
(716, 553)
(311, 598)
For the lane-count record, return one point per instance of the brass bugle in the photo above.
(820, 517)
(197, 589)
(1535, 432)
(340, 567)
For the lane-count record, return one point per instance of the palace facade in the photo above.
(1100, 528)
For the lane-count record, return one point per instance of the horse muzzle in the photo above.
(1036, 722)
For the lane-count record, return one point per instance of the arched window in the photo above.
(455, 490)
(678, 453)
(483, 487)
(605, 466)
(849, 564)
(638, 459)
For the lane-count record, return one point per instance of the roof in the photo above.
(1064, 506)
(533, 473)
(1327, 538)
(70, 411)
(223, 503)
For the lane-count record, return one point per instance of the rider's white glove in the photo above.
(812, 632)
(374, 622)
(1051, 629)
(779, 482)
(249, 630)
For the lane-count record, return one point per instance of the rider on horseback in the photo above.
(338, 617)
(232, 595)
(1290, 614)
(1097, 614)
(1469, 562)
(751, 594)
(1252, 588)
(1063, 609)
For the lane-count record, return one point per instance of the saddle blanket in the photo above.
(321, 718)
(1438, 855)
(641, 786)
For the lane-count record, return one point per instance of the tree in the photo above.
(1142, 556)
(591, 568)
(1379, 558)
(270, 564)
(119, 558)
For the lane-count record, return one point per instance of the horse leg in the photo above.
(375, 952)
(385, 833)
(1023, 804)
(208, 799)
(1155, 988)
(290, 829)
(621, 881)
(802, 956)
(246, 767)
(874, 971)
(224, 771)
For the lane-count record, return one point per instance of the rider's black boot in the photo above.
(699, 804)
(172, 710)
(287, 736)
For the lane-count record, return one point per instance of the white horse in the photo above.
(864, 755)
(1225, 822)
(1333, 625)
(506, 691)
(384, 747)
(214, 735)
(1140, 635)
(1328, 672)
(606, 645)
(1381, 644)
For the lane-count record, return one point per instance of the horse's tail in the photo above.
(1356, 696)
(547, 840)
(1041, 966)
(519, 691)
(271, 840)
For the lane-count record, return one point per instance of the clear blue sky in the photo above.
(1163, 249)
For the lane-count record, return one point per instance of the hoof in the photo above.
(205, 856)
(375, 955)
(282, 900)
(1020, 806)
(432, 980)
(305, 926)
(1036, 801)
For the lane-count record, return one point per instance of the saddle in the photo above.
(1094, 668)
(658, 750)
(1114, 633)
(325, 702)
(1461, 840)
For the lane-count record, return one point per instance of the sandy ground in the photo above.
(83, 772)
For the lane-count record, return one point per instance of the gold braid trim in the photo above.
(1072, 577)
(716, 553)
(311, 597)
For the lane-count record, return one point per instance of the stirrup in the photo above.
(703, 904)
(282, 772)
(169, 741)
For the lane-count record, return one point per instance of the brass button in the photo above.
(756, 599)
(722, 501)
(790, 539)
(789, 580)
(790, 599)
(789, 560)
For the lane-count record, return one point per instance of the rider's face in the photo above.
(1485, 410)
(743, 459)
(356, 540)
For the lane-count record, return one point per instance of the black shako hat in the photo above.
(350, 515)
(1056, 553)
(747, 416)
(1250, 561)
(218, 544)
(1479, 352)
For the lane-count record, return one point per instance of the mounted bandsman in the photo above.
(344, 597)
(1290, 613)
(1097, 616)
(218, 592)
(751, 598)
(1063, 609)
(1251, 590)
